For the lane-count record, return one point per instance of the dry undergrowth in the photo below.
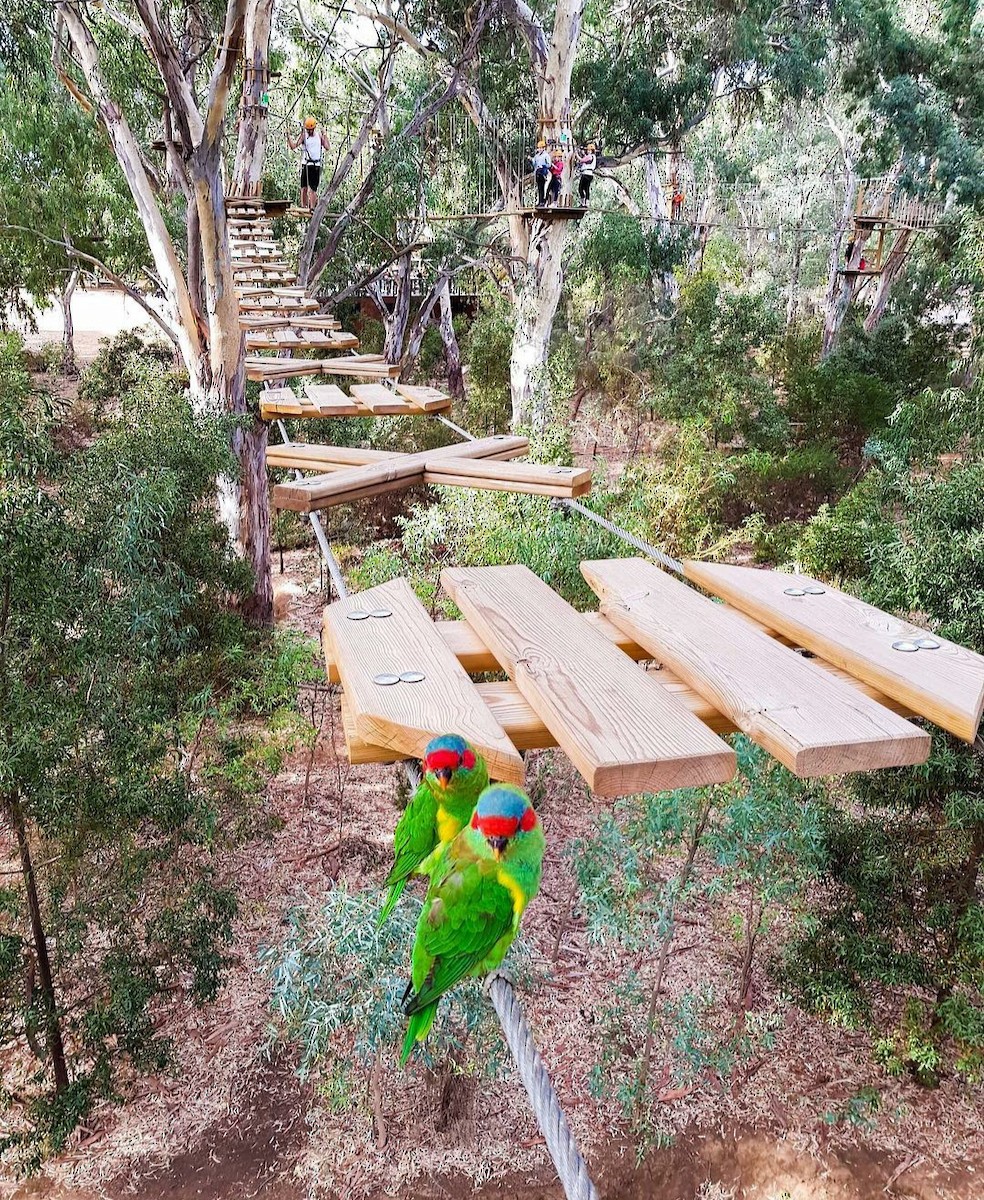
(768, 1124)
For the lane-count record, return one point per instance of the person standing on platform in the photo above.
(541, 172)
(556, 176)
(312, 143)
(588, 161)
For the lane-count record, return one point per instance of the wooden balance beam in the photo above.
(339, 487)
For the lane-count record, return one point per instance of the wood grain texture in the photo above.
(812, 723)
(324, 491)
(521, 723)
(622, 731)
(946, 685)
(404, 717)
(304, 456)
(427, 399)
(331, 401)
(535, 479)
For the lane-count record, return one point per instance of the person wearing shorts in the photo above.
(312, 144)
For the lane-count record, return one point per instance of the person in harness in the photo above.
(588, 161)
(541, 172)
(312, 143)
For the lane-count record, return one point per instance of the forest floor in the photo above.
(232, 1120)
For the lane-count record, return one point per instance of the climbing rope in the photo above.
(571, 1167)
(572, 1170)
(664, 559)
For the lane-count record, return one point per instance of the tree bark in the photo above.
(68, 325)
(46, 984)
(543, 283)
(399, 318)
(452, 351)
(841, 289)
(253, 123)
(891, 270)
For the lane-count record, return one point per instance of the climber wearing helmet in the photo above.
(541, 172)
(588, 161)
(313, 143)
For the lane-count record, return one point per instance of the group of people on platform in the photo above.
(548, 170)
(548, 165)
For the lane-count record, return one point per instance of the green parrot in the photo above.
(479, 889)
(454, 778)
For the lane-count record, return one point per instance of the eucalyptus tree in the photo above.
(147, 67)
(64, 208)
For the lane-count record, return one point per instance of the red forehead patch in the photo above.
(443, 758)
(468, 760)
(528, 821)
(497, 826)
(474, 820)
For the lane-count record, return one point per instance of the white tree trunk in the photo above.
(253, 123)
(68, 325)
(541, 288)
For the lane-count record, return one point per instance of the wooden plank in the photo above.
(944, 685)
(427, 399)
(293, 339)
(306, 495)
(331, 401)
(279, 400)
(375, 396)
(380, 401)
(406, 716)
(305, 456)
(536, 479)
(813, 724)
(622, 731)
(478, 659)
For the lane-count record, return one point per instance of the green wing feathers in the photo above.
(415, 838)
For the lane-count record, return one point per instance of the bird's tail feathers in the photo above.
(395, 892)
(417, 1030)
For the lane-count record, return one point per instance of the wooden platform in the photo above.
(299, 339)
(478, 465)
(355, 365)
(403, 686)
(622, 731)
(405, 470)
(810, 721)
(940, 681)
(575, 681)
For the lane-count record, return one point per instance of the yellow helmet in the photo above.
(541, 144)
(310, 123)
(592, 146)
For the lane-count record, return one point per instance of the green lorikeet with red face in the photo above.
(453, 779)
(480, 887)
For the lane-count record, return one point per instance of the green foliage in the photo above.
(337, 984)
(904, 916)
(750, 846)
(131, 743)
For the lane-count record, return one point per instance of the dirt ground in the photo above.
(233, 1121)
(98, 313)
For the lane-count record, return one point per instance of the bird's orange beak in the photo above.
(498, 845)
(443, 775)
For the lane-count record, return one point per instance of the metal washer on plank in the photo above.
(905, 646)
(927, 643)
(379, 613)
(794, 591)
(814, 590)
(412, 677)
(386, 680)
(357, 615)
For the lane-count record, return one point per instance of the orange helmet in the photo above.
(310, 123)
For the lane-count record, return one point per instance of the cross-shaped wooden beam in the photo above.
(478, 464)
